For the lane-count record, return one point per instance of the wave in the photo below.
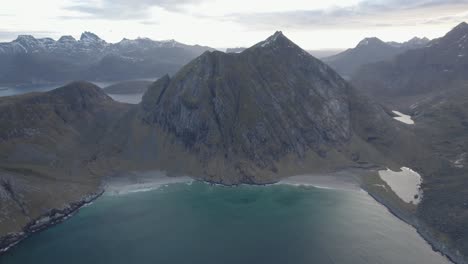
(134, 182)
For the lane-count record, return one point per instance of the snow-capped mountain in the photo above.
(28, 59)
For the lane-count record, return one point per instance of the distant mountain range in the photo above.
(418, 72)
(29, 60)
(370, 50)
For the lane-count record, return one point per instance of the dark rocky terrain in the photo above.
(417, 73)
(431, 85)
(253, 117)
(128, 87)
(370, 50)
(29, 60)
(442, 120)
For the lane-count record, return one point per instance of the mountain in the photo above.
(47, 141)
(272, 110)
(419, 72)
(30, 60)
(369, 50)
(128, 87)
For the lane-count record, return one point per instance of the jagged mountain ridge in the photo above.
(370, 50)
(415, 42)
(30, 44)
(419, 71)
(30, 60)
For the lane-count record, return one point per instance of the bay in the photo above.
(203, 223)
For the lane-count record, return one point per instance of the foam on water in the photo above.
(330, 182)
(134, 182)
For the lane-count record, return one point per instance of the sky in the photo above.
(313, 24)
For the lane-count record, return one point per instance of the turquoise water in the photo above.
(202, 223)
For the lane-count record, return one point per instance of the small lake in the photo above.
(199, 223)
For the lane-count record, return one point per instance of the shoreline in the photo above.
(49, 219)
(335, 181)
(425, 234)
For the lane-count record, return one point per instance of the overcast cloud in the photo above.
(226, 23)
(124, 9)
(387, 13)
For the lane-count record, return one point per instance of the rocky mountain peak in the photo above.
(455, 39)
(66, 39)
(370, 42)
(277, 40)
(90, 38)
(461, 26)
(22, 38)
(416, 42)
(457, 33)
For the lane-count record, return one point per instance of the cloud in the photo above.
(367, 13)
(124, 9)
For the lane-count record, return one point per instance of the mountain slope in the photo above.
(442, 119)
(369, 50)
(420, 71)
(47, 141)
